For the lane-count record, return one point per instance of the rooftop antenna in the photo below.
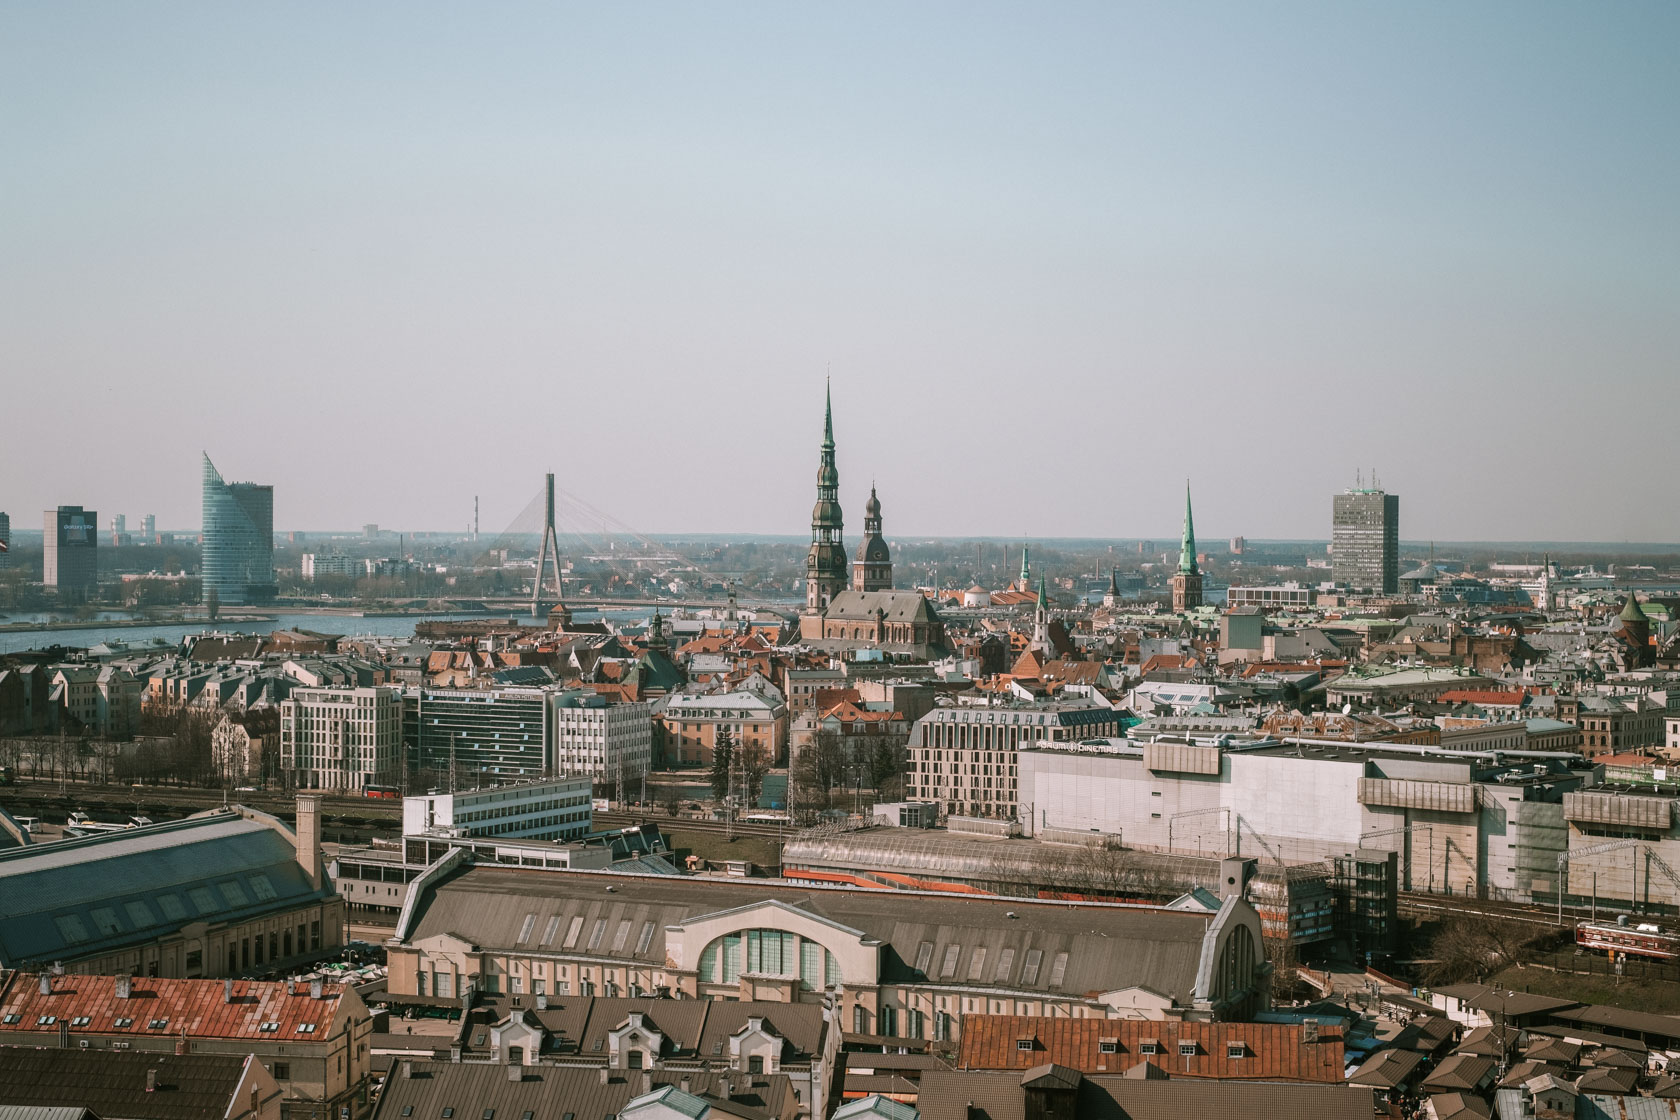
(543, 553)
(1358, 479)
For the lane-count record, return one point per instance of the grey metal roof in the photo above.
(876, 1107)
(1106, 947)
(470, 1088)
(74, 898)
(974, 1095)
(111, 1083)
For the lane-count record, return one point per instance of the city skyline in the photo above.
(1055, 261)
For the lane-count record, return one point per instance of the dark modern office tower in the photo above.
(70, 564)
(238, 564)
(5, 540)
(1365, 541)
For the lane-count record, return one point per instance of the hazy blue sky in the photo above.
(1058, 257)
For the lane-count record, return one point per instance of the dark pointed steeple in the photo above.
(828, 416)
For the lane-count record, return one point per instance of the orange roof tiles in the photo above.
(1269, 1051)
(1482, 696)
(193, 1007)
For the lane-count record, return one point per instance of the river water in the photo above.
(170, 635)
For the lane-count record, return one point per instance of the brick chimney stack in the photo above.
(309, 837)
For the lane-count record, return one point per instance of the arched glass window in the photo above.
(768, 952)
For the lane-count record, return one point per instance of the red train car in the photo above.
(382, 791)
(1646, 939)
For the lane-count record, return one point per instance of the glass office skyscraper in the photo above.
(238, 562)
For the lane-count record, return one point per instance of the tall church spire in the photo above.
(1187, 581)
(828, 416)
(825, 566)
(1187, 547)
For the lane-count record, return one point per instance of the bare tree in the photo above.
(1475, 946)
(752, 762)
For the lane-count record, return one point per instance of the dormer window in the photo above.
(1108, 1046)
(1023, 1044)
(1235, 1050)
(1149, 1046)
(1187, 1049)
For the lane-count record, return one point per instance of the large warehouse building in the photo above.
(906, 964)
(216, 894)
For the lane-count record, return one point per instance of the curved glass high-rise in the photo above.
(238, 563)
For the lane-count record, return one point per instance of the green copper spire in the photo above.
(1187, 549)
(1043, 600)
(1026, 568)
(828, 416)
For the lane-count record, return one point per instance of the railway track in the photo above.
(1411, 902)
(352, 820)
(768, 831)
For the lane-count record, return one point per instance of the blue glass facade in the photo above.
(238, 560)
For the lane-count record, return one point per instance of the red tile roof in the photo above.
(1481, 696)
(1270, 1051)
(191, 1006)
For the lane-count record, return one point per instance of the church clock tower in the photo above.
(872, 568)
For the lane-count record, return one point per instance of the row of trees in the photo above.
(173, 747)
(833, 770)
(738, 769)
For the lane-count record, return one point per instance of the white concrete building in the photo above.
(315, 565)
(607, 742)
(545, 809)
(1460, 823)
(341, 738)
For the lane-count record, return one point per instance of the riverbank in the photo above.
(121, 623)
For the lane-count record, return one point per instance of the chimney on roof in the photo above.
(647, 1083)
(227, 990)
(408, 1071)
(542, 1003)
(308, 838)
(685, 1085)
(315, 988)
(151, 1081)
(602, 1074)
(125, 984)
(46, 983)
(515, 1072)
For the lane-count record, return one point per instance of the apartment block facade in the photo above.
(341, 739)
